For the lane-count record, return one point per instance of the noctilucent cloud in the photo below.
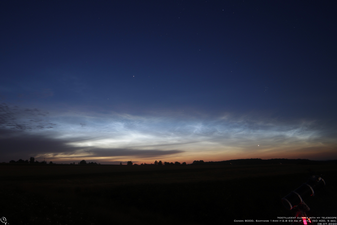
(178, 80)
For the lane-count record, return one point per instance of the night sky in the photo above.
(175, 80)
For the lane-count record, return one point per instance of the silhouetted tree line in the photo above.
(83, 162)
(258, 161)
(31, 161)
(198, 162)
(252, 161)
(156, 163)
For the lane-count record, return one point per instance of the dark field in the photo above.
(64, 194)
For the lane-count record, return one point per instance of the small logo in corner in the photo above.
(4, 220)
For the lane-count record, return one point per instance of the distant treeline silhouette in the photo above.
(35, 162)
(251, 161)
(157, 163)
(258, 161)
(31, 161)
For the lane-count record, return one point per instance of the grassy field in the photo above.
(73, 194)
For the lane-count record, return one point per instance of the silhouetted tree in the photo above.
(12, 161)
(20, 161)
(184, 163)
(31, 160)
(177, 163)
(129, 163)
(160, 163)
(83, 162)
(51, 163)
(156, 163)
(196, 162)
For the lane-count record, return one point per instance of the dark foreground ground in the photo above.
(64, 194)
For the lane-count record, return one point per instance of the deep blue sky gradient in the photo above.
(213, 73)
